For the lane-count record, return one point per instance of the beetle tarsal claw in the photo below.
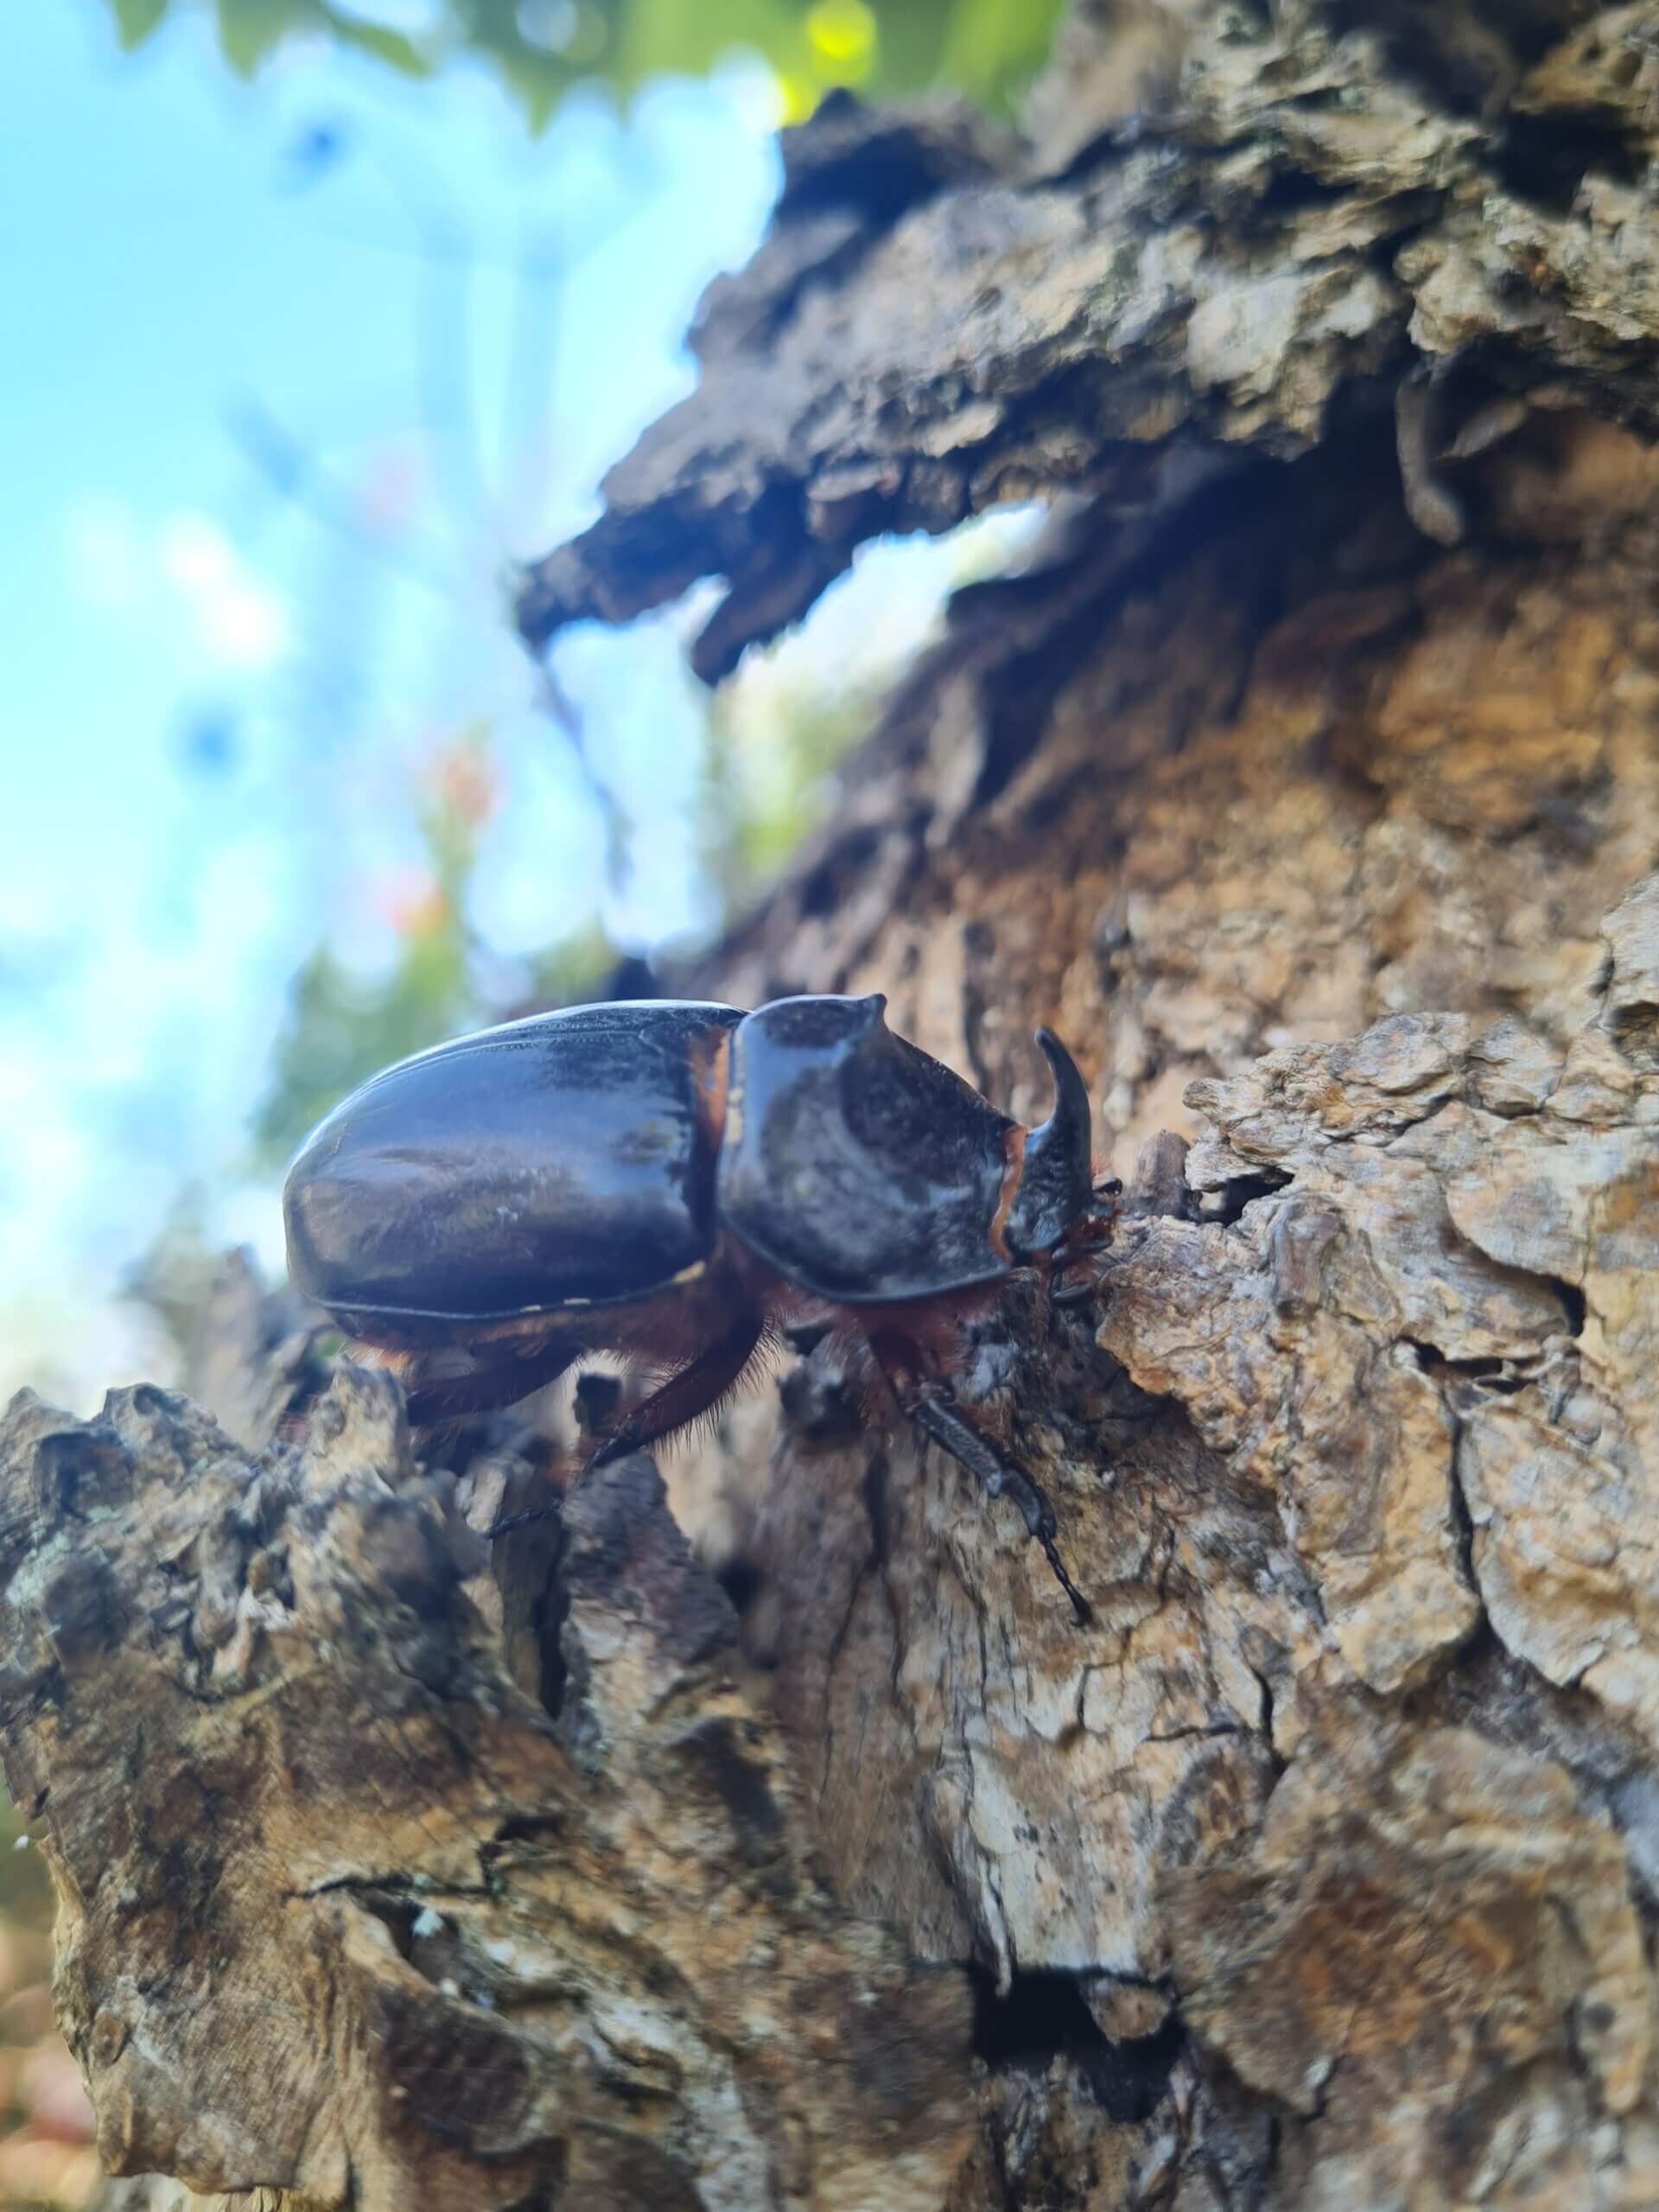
(1080, 1604)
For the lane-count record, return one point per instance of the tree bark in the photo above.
(1307, 783)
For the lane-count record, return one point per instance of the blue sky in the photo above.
(219, 684)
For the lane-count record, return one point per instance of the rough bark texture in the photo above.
(1308, 784)
(351, 1910)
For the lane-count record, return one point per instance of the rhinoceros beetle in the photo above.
(678, 1183)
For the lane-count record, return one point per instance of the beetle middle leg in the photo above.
(709, 1369)
(515, 1372)
(931, 1402)
(691, 1390)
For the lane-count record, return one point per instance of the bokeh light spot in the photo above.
(843, 36)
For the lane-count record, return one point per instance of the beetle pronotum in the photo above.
(675, 1182)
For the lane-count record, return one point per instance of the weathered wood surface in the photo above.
(351, 1910)
(1235, 216)
(1309, 784)
(1356, 1772)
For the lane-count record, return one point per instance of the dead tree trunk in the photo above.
(1307, 782)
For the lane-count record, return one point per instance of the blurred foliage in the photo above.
(574, 969)
(542, 47)
(763, 789)
(777, 733)
(342, 1026)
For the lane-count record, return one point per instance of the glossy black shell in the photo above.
(553, 1162)
(855, 1165)
(563, 1162)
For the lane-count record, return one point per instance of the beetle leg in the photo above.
(698, 1386)
(936, 1414)
(512, 1376)
(932, 1404)
(701, 1383)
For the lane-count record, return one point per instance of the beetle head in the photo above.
(1054, 1185)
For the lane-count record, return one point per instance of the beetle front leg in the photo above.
(932, 1404)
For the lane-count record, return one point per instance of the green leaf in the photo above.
(537, 84)
(135, 20)
(537, 76)
(655, 37)
(249, 30)
(394, 47)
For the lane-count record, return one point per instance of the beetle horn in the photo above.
(1053, 1187)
